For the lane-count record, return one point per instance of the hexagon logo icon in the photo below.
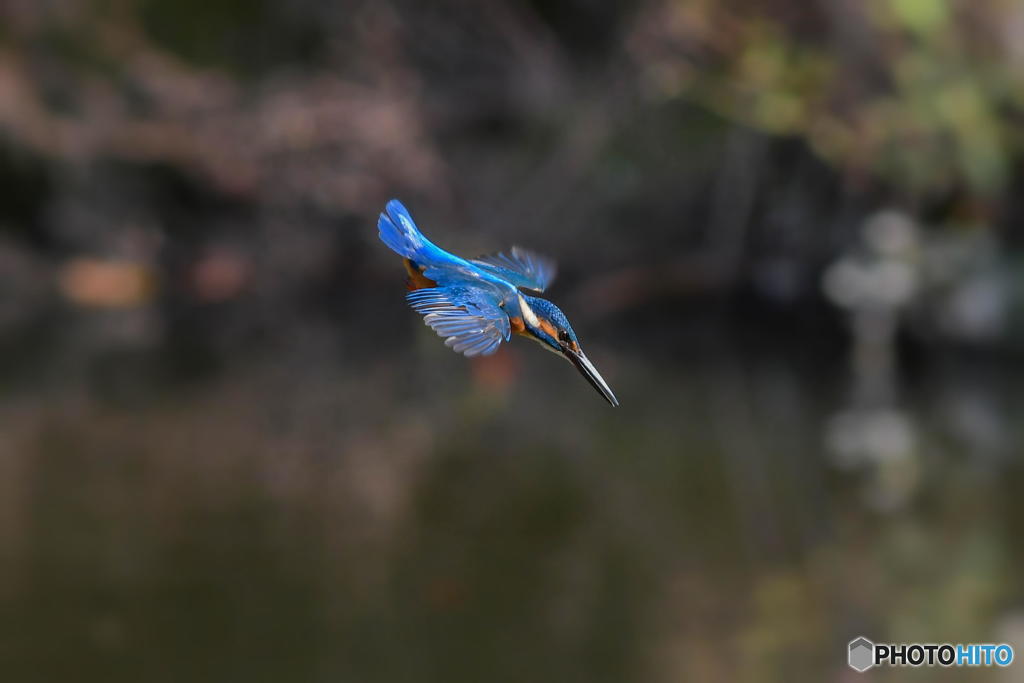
(861, 655)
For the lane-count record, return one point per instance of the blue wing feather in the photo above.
(469, 319)
(519, 266)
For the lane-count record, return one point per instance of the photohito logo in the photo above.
(862, 654)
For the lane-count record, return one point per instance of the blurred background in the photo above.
(790, 236)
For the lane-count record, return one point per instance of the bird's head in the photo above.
(543, 322)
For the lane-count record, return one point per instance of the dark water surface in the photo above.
(323, 512)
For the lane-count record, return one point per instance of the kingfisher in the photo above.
(476, 304)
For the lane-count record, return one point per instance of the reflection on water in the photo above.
(316, 512)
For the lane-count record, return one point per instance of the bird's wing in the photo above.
(519, 266)
(469, 318)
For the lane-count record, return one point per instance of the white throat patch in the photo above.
(531, 318)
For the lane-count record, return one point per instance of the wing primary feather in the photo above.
(469, 319)
(520, 267)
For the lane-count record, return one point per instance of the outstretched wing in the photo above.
(469, 318)
(519, 266)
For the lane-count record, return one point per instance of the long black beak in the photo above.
(591, 374)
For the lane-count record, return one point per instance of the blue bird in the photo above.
(476, 304)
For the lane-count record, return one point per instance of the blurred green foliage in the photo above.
(918, 92)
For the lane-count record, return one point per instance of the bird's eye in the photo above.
(563, 336)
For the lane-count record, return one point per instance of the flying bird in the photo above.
(476, 304)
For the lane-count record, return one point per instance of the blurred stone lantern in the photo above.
(874, 285)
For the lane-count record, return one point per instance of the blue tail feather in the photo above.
(399, 232)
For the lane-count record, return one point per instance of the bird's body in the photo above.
(478, 303)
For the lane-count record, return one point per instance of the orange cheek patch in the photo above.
(575, 347)
(549, 328)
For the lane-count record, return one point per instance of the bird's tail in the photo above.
(399, 232)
